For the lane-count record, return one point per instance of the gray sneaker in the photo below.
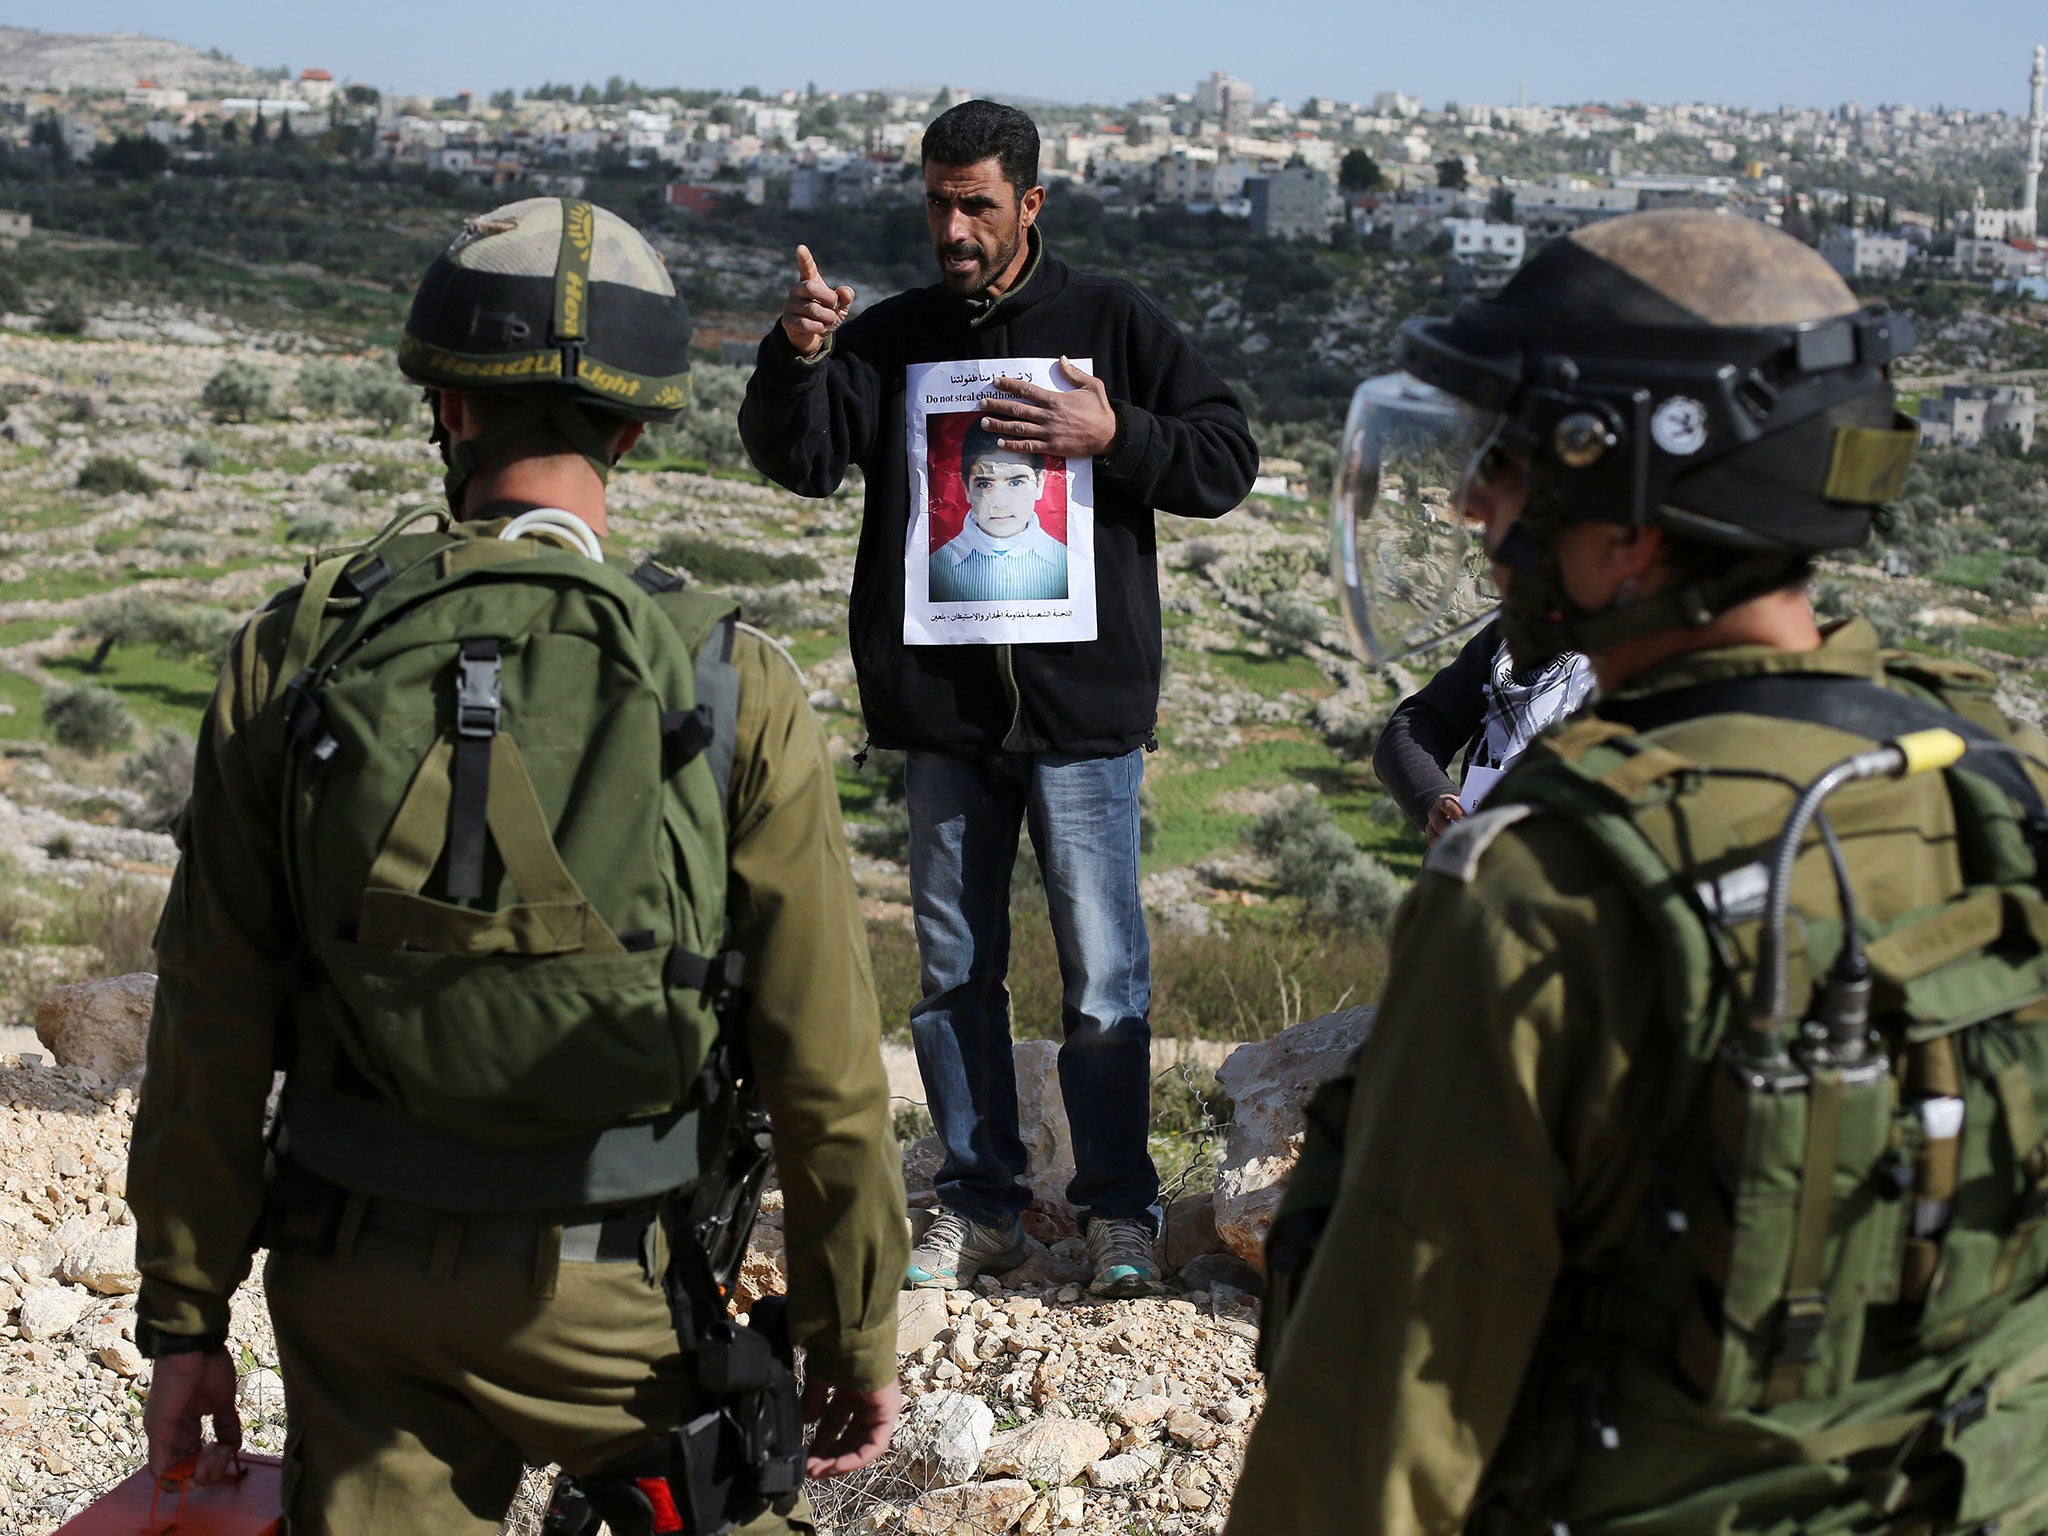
(1121, 1250)
(956, 1249)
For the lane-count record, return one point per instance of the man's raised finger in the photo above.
(806, 265)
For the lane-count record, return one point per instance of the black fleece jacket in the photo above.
(1432, 726)
(1183, 446)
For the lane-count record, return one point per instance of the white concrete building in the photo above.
(1967, 414)
(1477, 243)
(1291, 203)
(1864, 252)
(1225, 98)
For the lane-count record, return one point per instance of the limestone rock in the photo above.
(765, 1269)
(104, 1262)
(1047, 1451)
(943, 1438)
(1047, 1266)
(920, 1318)
(101, 1026)
(260, 1393)
(1125, 1471)
(50, 1311)
(1138, 1412)
(1048, 1140)
(121, 1357)
(1219, 1273)
(1187, 1428)
(971, 1509)
(1269, 1083)
(922, 1160)
(1190, 1230)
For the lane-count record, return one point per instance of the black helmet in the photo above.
(557, 300)
(1683, 369)
(1689, 369)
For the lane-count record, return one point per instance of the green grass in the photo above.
(1265, 970)
(1192, 826)
(1976, 570)
(857, 790)
(808, 647)
(1272, 676)
(2026, 643)
(26, 723)
(21, 631)
(160, 691)
(56, 585)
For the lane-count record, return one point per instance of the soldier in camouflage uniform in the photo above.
(1632, 1219)
(441, 1319)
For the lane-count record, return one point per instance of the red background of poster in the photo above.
(943, 433)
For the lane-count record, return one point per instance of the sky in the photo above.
(1761, 53)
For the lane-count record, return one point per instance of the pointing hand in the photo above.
(814, 308)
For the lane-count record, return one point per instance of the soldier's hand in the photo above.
(184, 1389)
(814, 308)
(853, 1427)
(1448, 811)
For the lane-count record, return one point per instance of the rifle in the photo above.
(749, 1448)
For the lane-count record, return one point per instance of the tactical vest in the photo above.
(504, 838)
(1830, 1315)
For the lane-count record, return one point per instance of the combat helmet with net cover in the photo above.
(560, 305)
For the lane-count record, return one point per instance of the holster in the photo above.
(301, 1211)
(740, 1457)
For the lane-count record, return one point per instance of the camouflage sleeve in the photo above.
(195, 1174)
(815, 1029)
(1479, 1161)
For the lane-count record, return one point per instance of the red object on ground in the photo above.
(249, 1504)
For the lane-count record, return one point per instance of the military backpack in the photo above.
(505, 844)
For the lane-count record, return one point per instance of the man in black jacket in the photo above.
(1044, 735)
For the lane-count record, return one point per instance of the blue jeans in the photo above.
(1082, 812)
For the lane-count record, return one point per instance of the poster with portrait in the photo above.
(1001, 546)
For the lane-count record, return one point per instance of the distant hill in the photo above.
(113, 61)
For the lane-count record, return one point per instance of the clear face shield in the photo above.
(1411, 575)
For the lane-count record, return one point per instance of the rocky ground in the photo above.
(1030, 1405)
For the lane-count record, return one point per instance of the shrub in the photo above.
(1320, 863)
(107, 474)
(161, 772)
(1199, 554)
(1350, 733)
(11, 296)
(117, 917)
(240, 390)
(87, 718)
(314, 528)
(713, 562)
(1290, 625)
(380, 477)
(326, 387)
(189, 633)
(385, 399)
(773, 608)
(66, 316)
(2020, 581)
(183, 545)
(204, 454)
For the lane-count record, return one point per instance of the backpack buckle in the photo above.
(1799, 1333)
(479, 700)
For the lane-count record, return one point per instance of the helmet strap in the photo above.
(1540, 621)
